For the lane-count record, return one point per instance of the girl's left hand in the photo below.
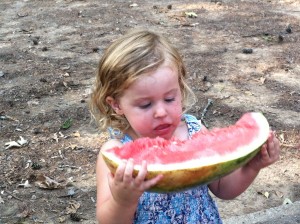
(268, 154)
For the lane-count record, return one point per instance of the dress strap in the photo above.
(194, 125)
(117, 134)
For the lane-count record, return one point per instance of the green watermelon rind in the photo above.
(219, 170)
(179, 177)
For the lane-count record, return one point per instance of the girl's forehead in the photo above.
(162, 76)
(161, 72)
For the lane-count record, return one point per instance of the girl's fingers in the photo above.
(124, 174)
(273, 146)
(120, 171)
(150, 183)
(264, 152)
(274, 151)
(128, 171)
(140, 181)
(141, 175)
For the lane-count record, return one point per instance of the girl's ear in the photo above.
(114, 105)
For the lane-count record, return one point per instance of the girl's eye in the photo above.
(170, 100)
(145, 106)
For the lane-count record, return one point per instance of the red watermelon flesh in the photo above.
(206, 156)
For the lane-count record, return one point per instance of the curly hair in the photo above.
(127, 58)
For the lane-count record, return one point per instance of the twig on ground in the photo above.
(209, 103)
(11, 194)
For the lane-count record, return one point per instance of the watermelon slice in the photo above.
(202, 159)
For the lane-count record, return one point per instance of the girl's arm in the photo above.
(237, 182)
(118, 195)
(107, 210)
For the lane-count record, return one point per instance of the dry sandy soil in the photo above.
(48, 57)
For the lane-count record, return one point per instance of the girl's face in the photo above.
(152, 104)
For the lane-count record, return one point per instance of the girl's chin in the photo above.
(165, 133)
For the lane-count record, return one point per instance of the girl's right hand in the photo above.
(126, 189)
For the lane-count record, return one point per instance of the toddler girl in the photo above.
(141, 91)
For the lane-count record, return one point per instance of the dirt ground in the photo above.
(49, 52)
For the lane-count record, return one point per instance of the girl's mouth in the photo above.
(162, 127)
(163, 130)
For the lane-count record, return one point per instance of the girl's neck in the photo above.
(132, 134)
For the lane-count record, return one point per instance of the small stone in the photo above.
(280, 38)
(33, 197)
(288, 29)
(247, 50)
(36, 166)
(75, 217)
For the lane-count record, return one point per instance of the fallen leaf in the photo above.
(133, 5)
(47, 183)
(6, 117)
(70, 193)
(249, 93)
(281, 137)
(60, 154)
(61, 134)
(267, 38)
(262, 80)
(267, 194)
(191, 14)
(11, 144)
(22, 141)
(33, 103)
(18, 143)
(67, 124)
(73, 146)
(72, 207)
(93, 200)
(279, 194)
(62, 219)
(1, 200)
(25, 185)
(55, 137)
(76, 134)
(287, 201)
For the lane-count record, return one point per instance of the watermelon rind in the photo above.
(180, 176)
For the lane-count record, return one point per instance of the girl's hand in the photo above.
(126, 190)
(268, 154)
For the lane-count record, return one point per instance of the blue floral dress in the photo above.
(192, 206)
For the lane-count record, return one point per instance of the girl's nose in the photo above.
(160, 111)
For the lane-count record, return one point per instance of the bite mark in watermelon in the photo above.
(202, 159)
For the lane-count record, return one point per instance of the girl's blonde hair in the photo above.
(127, 58)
